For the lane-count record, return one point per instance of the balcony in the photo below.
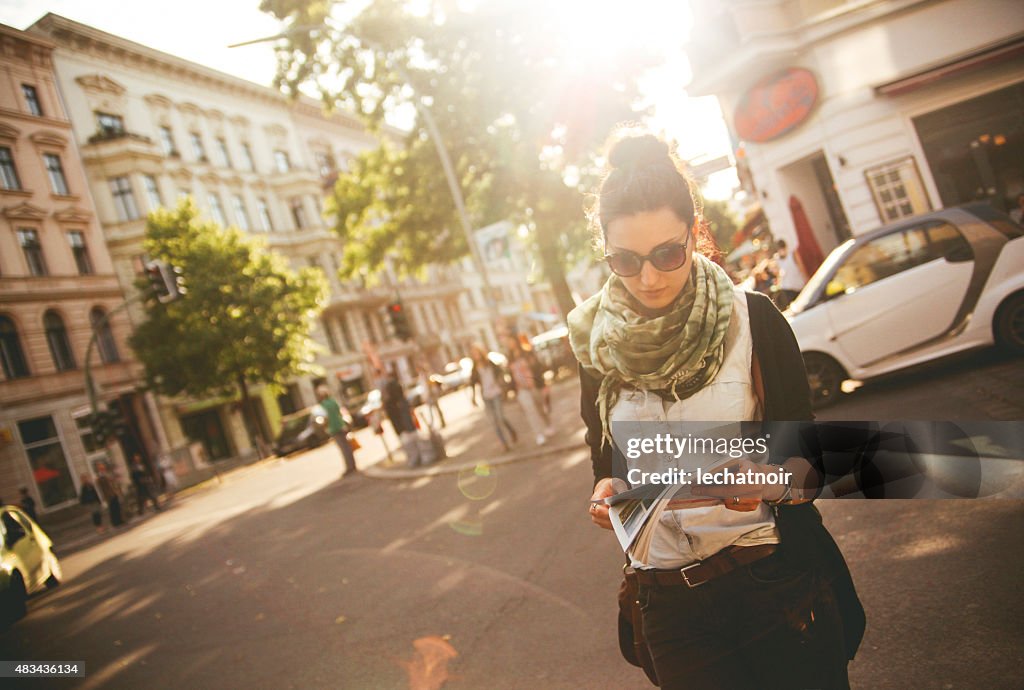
(108, 147)
(296, 181)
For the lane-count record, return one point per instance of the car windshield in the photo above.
(814, 284)
(295, 423)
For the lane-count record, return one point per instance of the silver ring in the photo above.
(593, 508)
(735, 500)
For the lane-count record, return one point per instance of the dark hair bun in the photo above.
(637, 151)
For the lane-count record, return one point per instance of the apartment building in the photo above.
(852, 114)
(57, 284)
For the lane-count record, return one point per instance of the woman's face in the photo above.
(641, 234)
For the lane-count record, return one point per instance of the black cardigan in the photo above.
(787, 398)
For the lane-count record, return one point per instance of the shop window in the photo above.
(47, 461)
(897, 190)
(12, 357)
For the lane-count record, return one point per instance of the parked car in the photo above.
(302, 430)
(553, 349)
(27, 563)
(910, 292)
(456, 375)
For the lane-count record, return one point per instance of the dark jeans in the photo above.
(346, 451)
(760, 627)
(114, 506)
(142, 495)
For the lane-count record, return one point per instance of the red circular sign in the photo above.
(776, 105)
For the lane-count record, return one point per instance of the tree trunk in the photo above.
(552, 263)
(252, 428)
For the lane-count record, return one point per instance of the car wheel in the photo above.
(824, 376)
(15, 601)
(1009, 325)
(56, 573)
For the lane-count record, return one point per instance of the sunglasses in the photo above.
(667, 257)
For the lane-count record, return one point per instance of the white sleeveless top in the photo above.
(686, 536)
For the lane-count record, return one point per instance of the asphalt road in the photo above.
(287, 577)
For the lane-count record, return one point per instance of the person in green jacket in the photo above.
(338, 428)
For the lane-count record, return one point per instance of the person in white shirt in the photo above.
(791, 278)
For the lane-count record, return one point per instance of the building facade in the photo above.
(57, 283)
(153, 128)
(851, 114)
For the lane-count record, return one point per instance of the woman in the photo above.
(527, 376)
(491, 380)
(746, 590)
(89, 496)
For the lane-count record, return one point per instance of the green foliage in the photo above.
(721, 223)
(246, 316)
(520, 114)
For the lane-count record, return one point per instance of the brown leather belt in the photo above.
(702, 572)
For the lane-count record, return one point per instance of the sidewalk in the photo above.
(470, 440)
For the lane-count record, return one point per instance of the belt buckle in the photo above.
(686, 578)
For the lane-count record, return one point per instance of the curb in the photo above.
(375, 471)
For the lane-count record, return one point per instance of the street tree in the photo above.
(245, 318)
(722, 223)
(521, 111)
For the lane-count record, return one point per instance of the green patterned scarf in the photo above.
(679, 351)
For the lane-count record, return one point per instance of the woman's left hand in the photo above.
(744, 497)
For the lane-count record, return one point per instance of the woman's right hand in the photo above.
(599, 511)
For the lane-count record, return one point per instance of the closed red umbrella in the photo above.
(44, 474)
(807, 246)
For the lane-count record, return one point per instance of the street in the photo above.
(285, 576)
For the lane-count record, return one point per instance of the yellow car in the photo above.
(27, 563)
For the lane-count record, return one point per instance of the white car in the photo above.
(910, 292)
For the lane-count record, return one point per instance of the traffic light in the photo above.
(399, 321)
(165, 280)
(106, 424)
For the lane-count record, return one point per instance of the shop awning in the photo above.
(1007, 49)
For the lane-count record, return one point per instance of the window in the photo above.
(897, 189)
(217, 210)
(77, 241)
(49, 464)
(298, 213)
(167, 142)
(58, 182)
(124, 199)
(368, 323)
(12, 357)
(884, 257)
(263, 214)
(57, 339)
(222, 148)
(241, 215)
(197, 146)
(104, 336)
(345, 333)
(32, 99)
(281, 161)
(332, 340)
(29, 241)
(247, 156)
(8, 173)
(325, 163)
(152, 192)
(184, 193)
(946, 242)
(109, 126)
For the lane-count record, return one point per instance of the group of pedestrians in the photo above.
(107, 491)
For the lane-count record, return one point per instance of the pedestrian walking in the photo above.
(526, 370)
(89, 496)
(110, 491)
(27, 503)
(429, 395)
(489, 377)
(338, 427)
(791, 278)
(142, 482)
(747, 591)
(169, 476)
